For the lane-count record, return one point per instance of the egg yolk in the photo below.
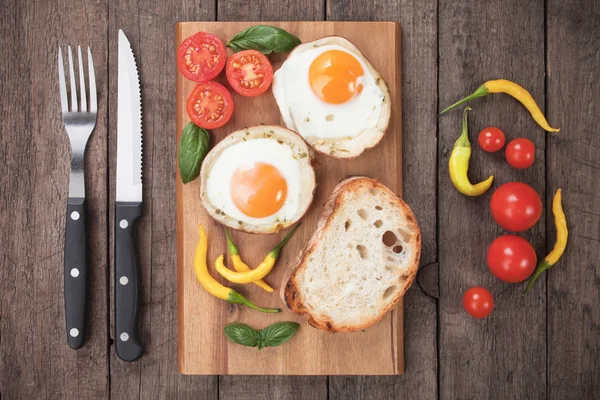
(258, 190)
(333, 74)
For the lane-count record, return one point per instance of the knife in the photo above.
(128, 205)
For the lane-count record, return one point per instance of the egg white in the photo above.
(265, 150)
(304, 112)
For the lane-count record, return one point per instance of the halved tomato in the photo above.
(249, 72)
(210, 105)
(201, 57)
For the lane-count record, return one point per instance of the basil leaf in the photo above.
(242, 334)
(264, 38)
(193, 147)
(277, 334)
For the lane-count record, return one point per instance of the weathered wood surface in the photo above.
(552, 50)
(34, 172)
(573, 164)
(503, 356)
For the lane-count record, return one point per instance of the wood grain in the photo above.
(573, 158)
(203, 346)
(271, 387)
(503, 356)
(149, 25)
(419, 123)
(34, 176)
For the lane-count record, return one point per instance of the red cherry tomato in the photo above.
(516, 206)
(249, 72)
(520, 153)
(478, 302)
(201, 57)
(491, 139)
(511, 258)
(210, 105)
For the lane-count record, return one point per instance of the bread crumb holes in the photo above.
(362, 251)
(389, 238)
(389, 291)
(363, 214)
(378, 223)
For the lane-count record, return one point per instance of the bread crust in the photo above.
(290, 290)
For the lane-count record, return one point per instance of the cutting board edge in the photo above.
(397, 321)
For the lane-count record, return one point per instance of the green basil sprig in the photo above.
(272, 336)
(264, 38)
(193, 147)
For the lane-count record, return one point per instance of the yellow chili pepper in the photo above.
(459, 164)
(514, 90)
(259, 272)
(562, 234)
(241, 266)
(212, 286)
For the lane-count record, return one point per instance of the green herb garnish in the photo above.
(193, 147)
(264, 38)
(272, 336)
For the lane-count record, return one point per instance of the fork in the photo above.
(79, 123)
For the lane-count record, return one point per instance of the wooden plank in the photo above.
(149, 26)
(271, 387)
(503, 356)
(573, 165)
(34, 176)
(419, 123)
(204, 349)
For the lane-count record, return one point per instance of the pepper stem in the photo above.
(275, 252)
(236, 298)
(544, 265)
(230, 246)
(463, 140)
(480, 92)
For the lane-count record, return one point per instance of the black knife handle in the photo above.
(75, 271)
(128, 344)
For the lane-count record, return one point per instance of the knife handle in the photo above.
(127, 284)
(75, 271)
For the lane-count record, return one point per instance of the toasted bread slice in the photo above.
(359, 262)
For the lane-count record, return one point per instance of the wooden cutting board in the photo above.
(203, 347)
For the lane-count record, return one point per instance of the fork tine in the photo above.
(64, 100)
(72, 82)
(81, 81)
(92, 79)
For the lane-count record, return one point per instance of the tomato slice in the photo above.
(249, 72)
(201, 57)
(210, 105)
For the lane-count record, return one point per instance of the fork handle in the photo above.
(75, 271)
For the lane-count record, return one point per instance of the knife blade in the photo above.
(128, 205)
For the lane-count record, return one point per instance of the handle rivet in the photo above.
(123, 224)
(74, 332)
(74, 272)
(124, 337)
(74, 215)
(123, 280)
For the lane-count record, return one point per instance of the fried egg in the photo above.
(329, 93)
(258, 179)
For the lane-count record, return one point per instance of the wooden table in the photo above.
(544, 345)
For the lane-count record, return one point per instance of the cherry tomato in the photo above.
(478, 302)
(249, 72)
(516, 206)
(491, 139)
(520, 153)
(210, 105)
(201, 57)
(511, 258)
